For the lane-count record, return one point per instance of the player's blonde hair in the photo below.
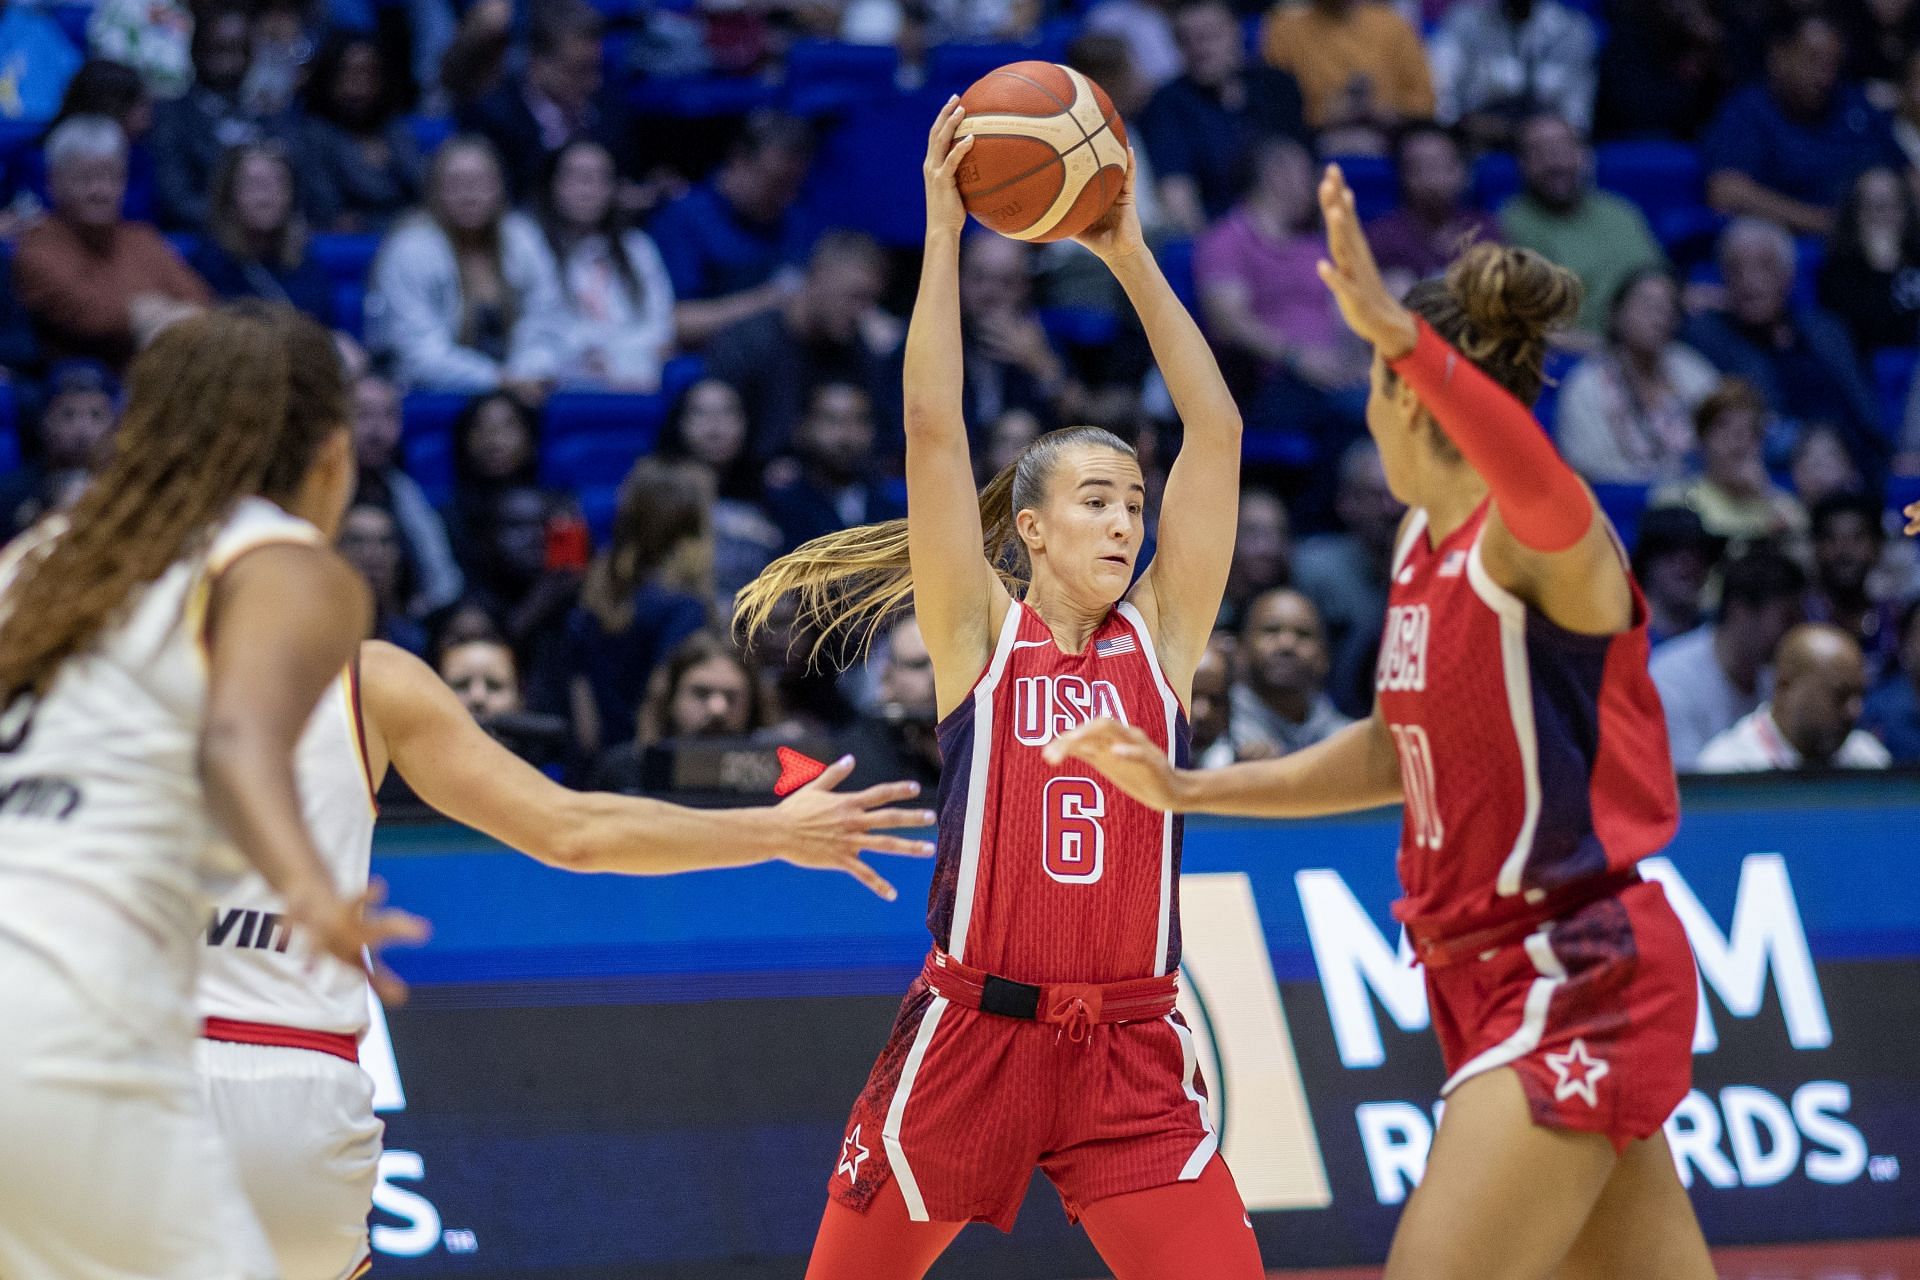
(223, 405)
(848, 584)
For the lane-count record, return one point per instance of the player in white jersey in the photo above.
(279, 1058)
(161, 649)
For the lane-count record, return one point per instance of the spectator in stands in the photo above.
(1011, 363)
(1812, 720)
(1280, 704)
(36, 62)
(619, 300)
(423, 534)
(1787, 150)
(1262, 553)
(1880, 34)
(256, 245)
(1361, 68)
(1497, 63)
(1108, 61)
(1561, 215)
(708, 426)
(1345, 575)
(476, 58)
(524, 561)
(1200, 129)
(530, 116)
(191, 134)
(1820, 465)
(825, 331)
(1799, 358)
(372, 163)
(369, 540)
(729, 238)
(1673, 554)
(1713, 675)
(153, 37)
(1733, 494)
(896, 740)
(1871, 276)
(462, 296)
(1146, 28)
(1005, 437)
(831, 482)
(96, 285)
(496, 447)
(651, 588)
(484, 675)
(1212, 702)
(1426, 232)
(1625, 415)
(1663, 70)
(82, 407)
(1892, 711)
(1848, 539)
(1263, 301)
(705, 689)
(113, 90)
(1906, 118)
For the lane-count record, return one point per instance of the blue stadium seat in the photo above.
(861, 176)
(1902, 491)
(1893, 371)
(427, 439)
(598, 503)
(10, 443)
(350, 308)
(586, 413)
(590, 459)
(1176, 262)
(1547, 407)
(345, 258)
(681, 372)
(952, 67)
(825, 76)
(1376, 190)
(1624, 504)
(429, 132)
(1658, 176)
(1495, 177)
(703, 97)
(1079, 326)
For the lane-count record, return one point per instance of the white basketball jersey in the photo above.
(249, 972)
(99, 788)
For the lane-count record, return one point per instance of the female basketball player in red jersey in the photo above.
(1515, 715)
(1041, 1031)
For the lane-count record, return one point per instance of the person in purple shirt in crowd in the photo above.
(1434, 220)
(1788, 149)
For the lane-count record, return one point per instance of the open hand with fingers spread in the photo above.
(1126, 755)
(941, 169)
(1365, 302)
(821, 828)
(354, 930)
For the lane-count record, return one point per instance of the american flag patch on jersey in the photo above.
(1115, 647)
(1452, 566)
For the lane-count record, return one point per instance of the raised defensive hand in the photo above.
(944, 158)
(1365, 302)
(1125, 754)
(355, 930)
(1117, 233)
(827, 831)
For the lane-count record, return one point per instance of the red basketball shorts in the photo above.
(962, 1105)
(1594, 1011)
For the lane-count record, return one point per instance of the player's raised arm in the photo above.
(1351, 770)
(1546, 541)
(958, 597)
(282, 622)
(415, 721)
(1180, 594)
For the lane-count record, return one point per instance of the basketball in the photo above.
(1051, 153)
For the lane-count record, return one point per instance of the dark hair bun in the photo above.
(1512, 296)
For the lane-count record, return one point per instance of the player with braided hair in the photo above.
(161, 647)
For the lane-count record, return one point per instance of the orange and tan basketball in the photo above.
(1051, 153)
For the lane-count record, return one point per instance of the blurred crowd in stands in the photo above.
(623, 289)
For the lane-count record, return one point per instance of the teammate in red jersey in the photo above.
(1041, 1030)
(1515, 717)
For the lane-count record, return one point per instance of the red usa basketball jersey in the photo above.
(1045, 874)
(1531, 757)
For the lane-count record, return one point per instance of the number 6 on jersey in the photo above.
(1076, 843)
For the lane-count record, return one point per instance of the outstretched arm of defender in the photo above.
(1354, 769)
(453, 765)
(1180, 596)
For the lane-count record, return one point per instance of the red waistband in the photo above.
(1437, 950)
(1072, 1006)
(232, 1031)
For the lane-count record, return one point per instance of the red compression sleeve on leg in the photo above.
(1540, 498)
(883, 1243)
(1181, 1231)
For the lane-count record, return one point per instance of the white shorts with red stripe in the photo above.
(301, 1126)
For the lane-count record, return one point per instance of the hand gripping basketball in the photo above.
(944, 158)
(1052, 155)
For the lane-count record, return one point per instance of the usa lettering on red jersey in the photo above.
(1044, 707)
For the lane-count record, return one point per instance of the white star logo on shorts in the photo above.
(1578, 1071)
(852, 1154)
